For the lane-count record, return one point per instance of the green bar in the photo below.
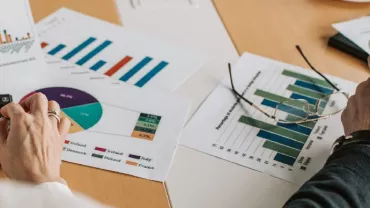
(274, 129)
(147, 125)
(97, 156)
(149, 120)
(307, 78)
(309, 124)
(280, 99)
(146, 130)
(271, 96)
(306, 92)
(281, 149)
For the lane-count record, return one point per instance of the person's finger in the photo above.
(36, 104)
(54, 107)
(12, 111)
(64, 126)
(3, 130)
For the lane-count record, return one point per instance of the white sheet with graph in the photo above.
(229, 128)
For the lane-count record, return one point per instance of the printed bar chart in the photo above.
(288, 139)
(100, 65)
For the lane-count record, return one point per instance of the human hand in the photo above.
(356, 116)
(31, 150)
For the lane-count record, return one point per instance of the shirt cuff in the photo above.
(55, 187)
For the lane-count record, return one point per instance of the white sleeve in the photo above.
(46, 195)
(56, 187)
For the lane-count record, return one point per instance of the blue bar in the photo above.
(311, 101)
(151, 74)
(313, 87)
(57, 49)
(79, 48)
(98, 65)
(285, 108)
(136, 68)
(285, 159)
(94, 52)
(280, 139)
(296, 128)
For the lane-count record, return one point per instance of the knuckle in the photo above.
(54, 103)
(40, 97)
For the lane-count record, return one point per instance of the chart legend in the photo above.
(146, 127)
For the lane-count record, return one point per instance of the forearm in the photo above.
(343, 182)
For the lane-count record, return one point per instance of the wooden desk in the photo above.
(273, 28)
(268, 28)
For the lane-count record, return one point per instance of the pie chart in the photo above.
(83, 110)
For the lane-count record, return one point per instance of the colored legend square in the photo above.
(131, 163)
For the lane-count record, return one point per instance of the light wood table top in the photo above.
(268, 28)
(273, 28)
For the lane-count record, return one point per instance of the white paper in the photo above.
(216, 128)
(190, 23)
(105, 127)
(105, 132)
(20, 53)
(357, 30)
(68, 29)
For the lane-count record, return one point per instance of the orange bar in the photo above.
(43, 45)
(10, 39)
(118, 66)
(1, 39)
(142, 135)
(131, 163)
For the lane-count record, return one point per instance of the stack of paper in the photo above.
(117, 127)
(357, 30)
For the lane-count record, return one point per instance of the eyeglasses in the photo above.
(297, 111)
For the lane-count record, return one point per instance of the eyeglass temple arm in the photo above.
(313, 68)
(246, 100)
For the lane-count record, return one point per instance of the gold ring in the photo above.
(55, 115)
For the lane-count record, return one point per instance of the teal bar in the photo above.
(57, 49)
(78, 48)
(94, 52)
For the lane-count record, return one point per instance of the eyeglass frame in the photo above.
(304, 120)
